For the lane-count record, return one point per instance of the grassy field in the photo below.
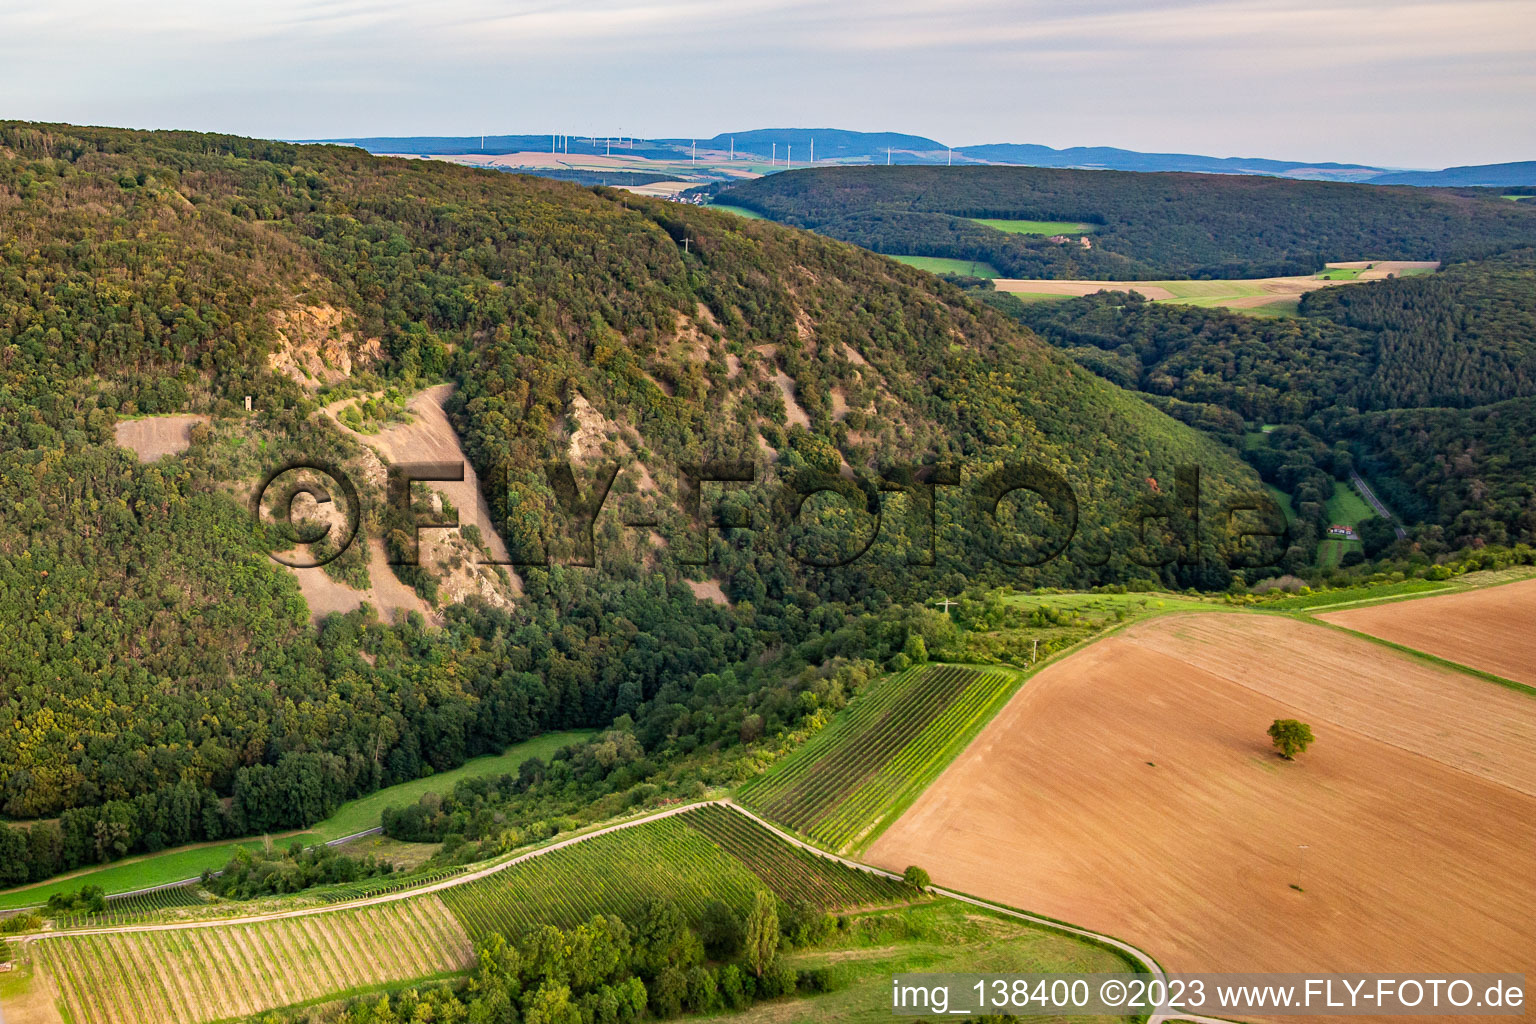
(142, 872)
(354, 816)
(1350, 595)
(944, 937)
(943, 265)
(712, 853)
(740, 211)
(1035, 227)
(1341, 273)
(1346, 508)
(1283, 500)
(856, 775)
(363, 813)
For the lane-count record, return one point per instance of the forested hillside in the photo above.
(1145, 226)
(163, 677)
(1424, 383)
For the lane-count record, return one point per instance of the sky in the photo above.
(1398, 83)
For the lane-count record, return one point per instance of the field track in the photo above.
(1131, 788)
(1493, 629)
(199, 949)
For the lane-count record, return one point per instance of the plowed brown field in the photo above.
(1131, 789)
(1493, 629)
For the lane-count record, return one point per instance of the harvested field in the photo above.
(1033, 287)
(154, 437)
(1131, 789)
(191, 975)
(1493, 629)
(1245, 294)
(1378, 270)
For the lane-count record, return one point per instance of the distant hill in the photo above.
(831, 144)
(1509, 175)
(1144, 226)
(459, 145)
(1109, 158)
(842, 146)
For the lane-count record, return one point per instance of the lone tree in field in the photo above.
(916, 877)
(1290, 737)
(762, 939)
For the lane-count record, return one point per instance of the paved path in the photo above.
(391, 897)
(1375, 503)
(1144, 959)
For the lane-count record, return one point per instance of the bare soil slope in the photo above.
(1492, 629)
(154, 437)
(428, 437)
(1131, 789)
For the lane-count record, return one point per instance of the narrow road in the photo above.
(391, 897)
(197, 878)
(1375, 502)
(1146, 961)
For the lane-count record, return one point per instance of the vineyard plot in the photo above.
(192, 975)
(609, 874)
(790, 872)
(138, 907)
(842, 785)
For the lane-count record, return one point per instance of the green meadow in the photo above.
(352, 817)
(740, 211)
(1035, 227)
(944, 265)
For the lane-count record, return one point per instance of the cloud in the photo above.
(1421, 82)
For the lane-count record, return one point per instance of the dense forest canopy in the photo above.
(1144, 226)
(1426, 384)
(164, 680)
